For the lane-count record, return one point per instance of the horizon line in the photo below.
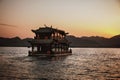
(67, 35)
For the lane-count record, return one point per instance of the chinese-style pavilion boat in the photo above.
(49, 42)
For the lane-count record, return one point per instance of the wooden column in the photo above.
(32, 48)
(61, 47)
(55, 47)
(38, 48)
(58, 48)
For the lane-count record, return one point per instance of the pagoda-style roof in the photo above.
(48, 30)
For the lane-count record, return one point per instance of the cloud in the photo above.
(8, 25)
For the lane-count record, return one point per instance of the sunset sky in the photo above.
(78, 17)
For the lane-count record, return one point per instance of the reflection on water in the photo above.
(84, 64)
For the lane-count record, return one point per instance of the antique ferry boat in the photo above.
(49, 41)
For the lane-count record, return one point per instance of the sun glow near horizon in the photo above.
(78, 17)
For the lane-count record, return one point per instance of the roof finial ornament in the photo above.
(51, 26)
(45, 25)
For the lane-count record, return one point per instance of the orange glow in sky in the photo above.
(78, 17)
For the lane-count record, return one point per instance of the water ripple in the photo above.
(84, 64)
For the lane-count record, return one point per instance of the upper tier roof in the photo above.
(48, 30)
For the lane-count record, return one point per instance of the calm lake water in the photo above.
(83, 64)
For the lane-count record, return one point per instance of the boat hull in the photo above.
(53, 54)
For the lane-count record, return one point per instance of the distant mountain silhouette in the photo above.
(115, 41)
(93, 41)
(14, 42)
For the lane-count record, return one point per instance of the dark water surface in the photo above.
(84, 64)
